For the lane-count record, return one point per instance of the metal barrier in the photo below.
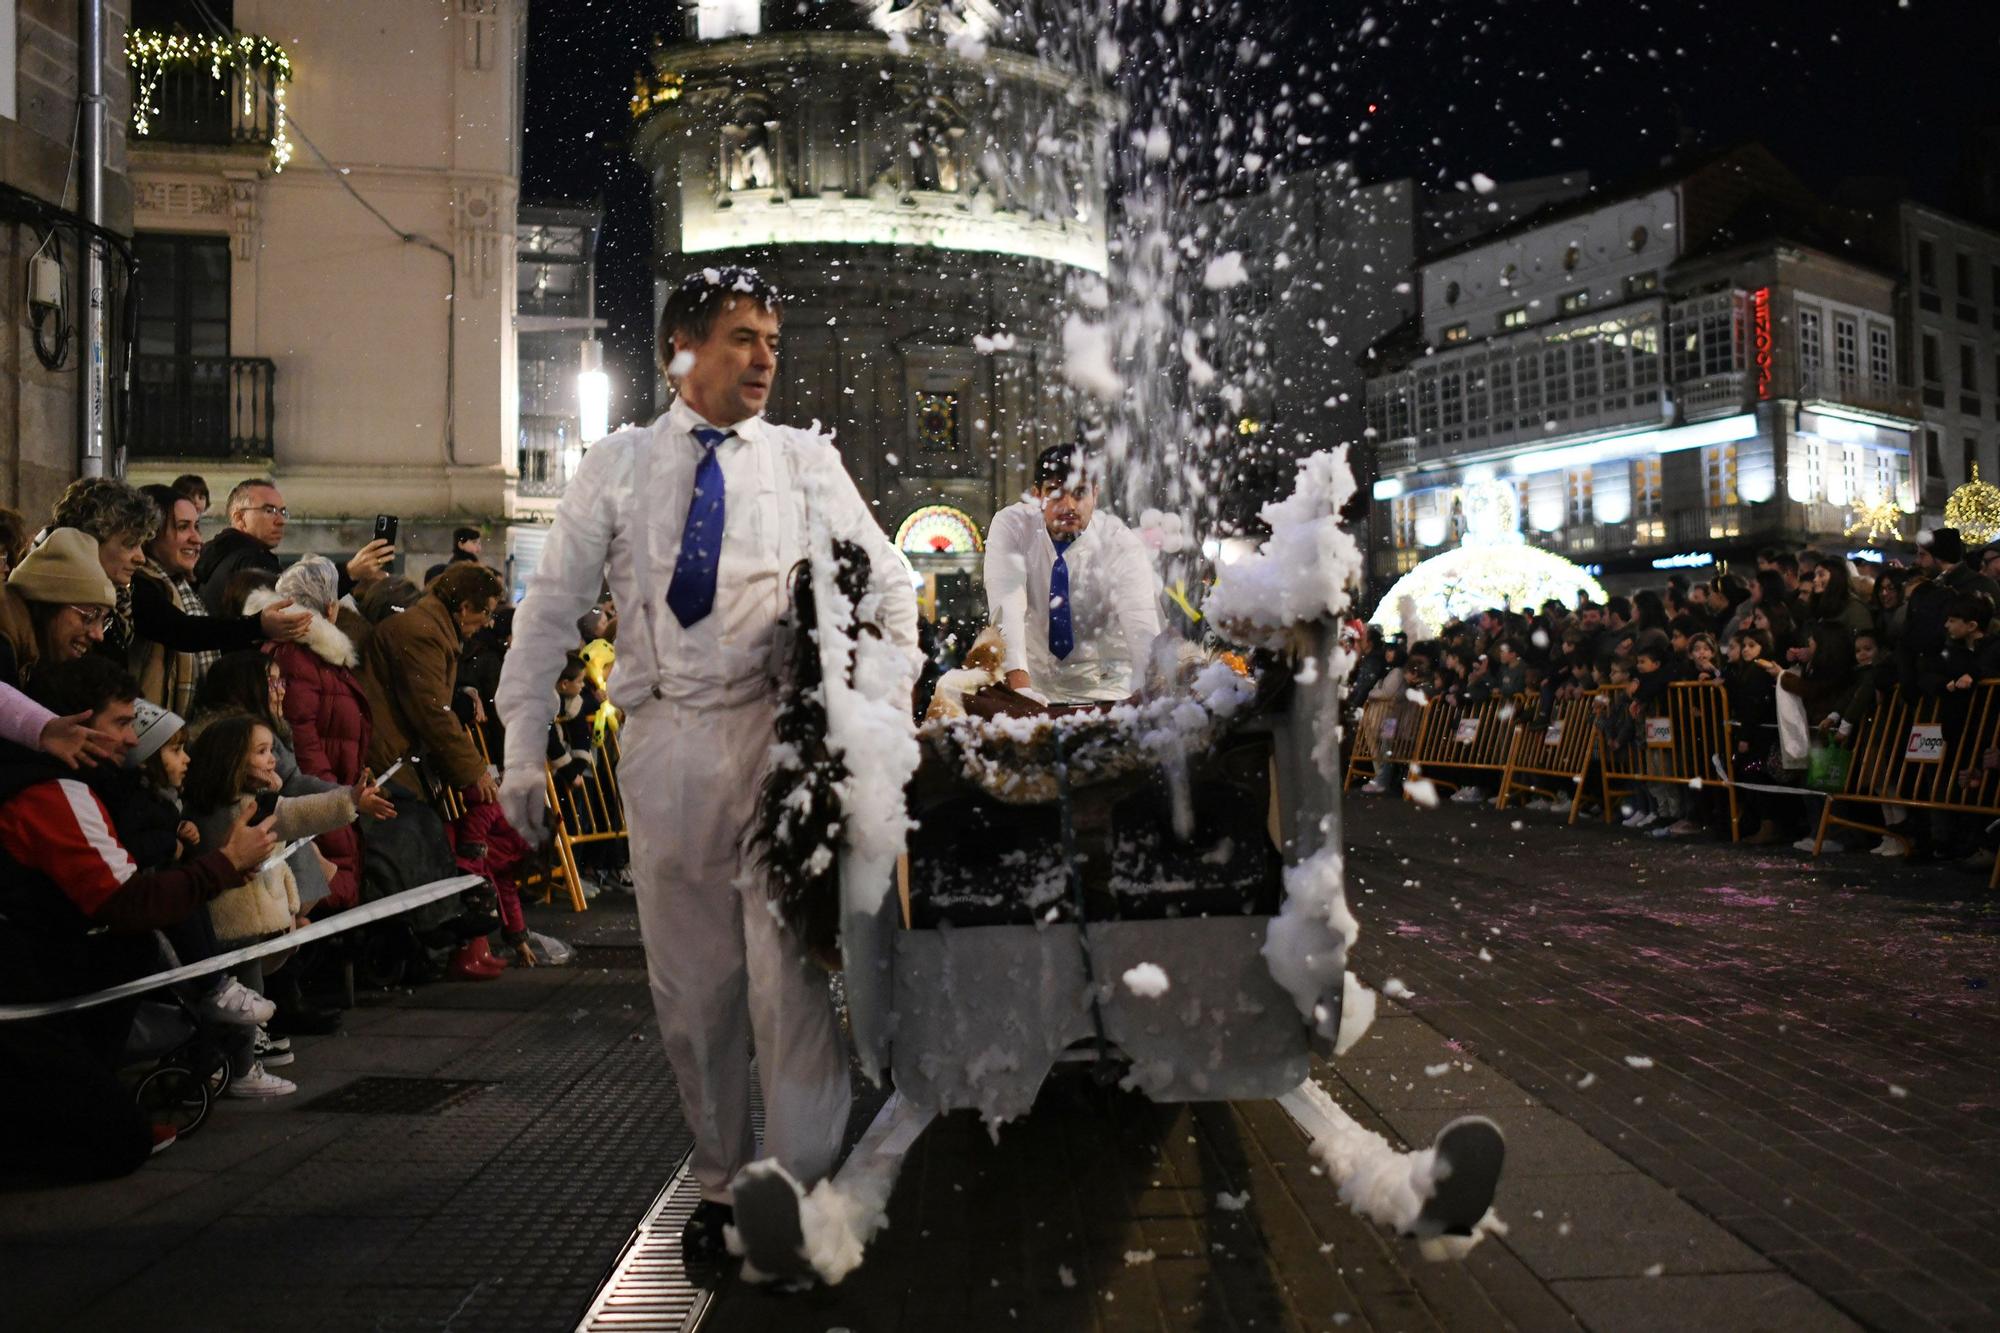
(1367, 740)
(1686, 742)
(1917, 755)
(1557, 753)
(1454, 738)
(591, 811)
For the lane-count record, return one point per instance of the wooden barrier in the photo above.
(1454, 738)
(1550, 759)
(1685, 742)
(1919, 755)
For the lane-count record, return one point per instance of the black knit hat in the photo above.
(1946, 546)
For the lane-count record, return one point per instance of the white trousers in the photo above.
(723, 967)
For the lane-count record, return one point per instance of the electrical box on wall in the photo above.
(44, 281)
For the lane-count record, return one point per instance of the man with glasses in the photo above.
(257, 517)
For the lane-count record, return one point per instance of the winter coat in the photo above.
(221, 559)
(268, 902)
(332, 726)
(410, 672)
(20, 648)
(144, 820)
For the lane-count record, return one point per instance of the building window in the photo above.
(1476, 408)
(1555, 382)
(1646, 355)
(1404, 518)
(1926, 264)
(1503, 393)
(1579, 496)
(1451, 389)
(937, 422)
(1583, 370)
(1457, 333)
(1964, 276)
(1570, 258)
(1575, 301)
(1933, 370)
(1637, 240)
(1812, 347)
(1451, 293)
(1846, 351)
(181, 378)
(1718, 465)
(1427, 403)
(1646, 488)
(1968, 371)
(1641, 284)
(1881, 360)
(1529, 377)
(1933, 454)
(1517, 318)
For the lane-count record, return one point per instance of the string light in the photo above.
(1974, 509)
(151, 54)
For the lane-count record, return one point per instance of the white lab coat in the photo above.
(1114, 604)
(699, 708)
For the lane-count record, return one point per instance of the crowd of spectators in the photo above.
(204, 746)
(1833, 635)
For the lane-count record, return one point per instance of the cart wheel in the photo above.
(175, 1097)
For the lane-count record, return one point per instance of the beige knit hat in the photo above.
(64, 568)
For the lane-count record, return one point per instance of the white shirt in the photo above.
(1114, 603)
(621, 518)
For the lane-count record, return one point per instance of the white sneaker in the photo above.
(234, 1002)
(272, 1051)
(1374, 787)
(1646, 820)
(548, 951)
(1632, 820)
(1891, 847)
(259, 1084)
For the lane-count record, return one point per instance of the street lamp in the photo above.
(593, 395)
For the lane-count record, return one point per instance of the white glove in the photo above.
(524, 799)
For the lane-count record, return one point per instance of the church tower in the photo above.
(927, 191)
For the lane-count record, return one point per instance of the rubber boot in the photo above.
(474, 961)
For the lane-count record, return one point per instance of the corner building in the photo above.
(912, 181)
(1670, 373)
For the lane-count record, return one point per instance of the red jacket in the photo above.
(331, 730)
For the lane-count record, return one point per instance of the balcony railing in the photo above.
(544, 442)
(1889, 400)
(197, 91)
(202, 407)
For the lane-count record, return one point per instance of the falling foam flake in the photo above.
(1232, 1203)
(1147, 980)
(1639, 1061)
(1225, 271)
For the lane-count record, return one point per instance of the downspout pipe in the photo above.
(93, 378)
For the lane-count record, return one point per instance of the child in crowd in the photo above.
(233, 762)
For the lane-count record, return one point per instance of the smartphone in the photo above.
(267, 805)
(385, 528)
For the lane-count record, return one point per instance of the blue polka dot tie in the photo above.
(1061, 638)
(691, 595)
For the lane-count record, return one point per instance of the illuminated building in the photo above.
(924, 190)
(1690, 363)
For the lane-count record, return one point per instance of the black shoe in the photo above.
(702, 1243)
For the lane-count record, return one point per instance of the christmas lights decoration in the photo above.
(1495, 568)
(151, 54)
(1876, 518)
(1974, 509)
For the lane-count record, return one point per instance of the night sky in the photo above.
(1510, 88)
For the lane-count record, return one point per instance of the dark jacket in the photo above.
(145, 821)
(332, 728)
(230, 552)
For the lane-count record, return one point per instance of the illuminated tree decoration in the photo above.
(939, 530)
(1876, 519)
(937, 421)
(1494, 568)
(151, 54)
(1974, 509)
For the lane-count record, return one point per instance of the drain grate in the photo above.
(384, 1094)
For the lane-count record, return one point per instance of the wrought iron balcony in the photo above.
(226, 92)
(202, 407)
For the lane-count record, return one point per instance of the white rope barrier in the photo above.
(381, 909)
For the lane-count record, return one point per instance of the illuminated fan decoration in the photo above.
(1875, 518)
(1494, 568)
(939, 530)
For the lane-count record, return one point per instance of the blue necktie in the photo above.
(691, 595)
(1061, 637)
